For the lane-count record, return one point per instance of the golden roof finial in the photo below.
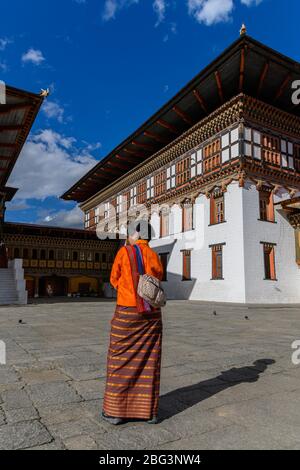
(45, 93)
(243, 30)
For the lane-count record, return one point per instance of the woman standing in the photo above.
(134, 358)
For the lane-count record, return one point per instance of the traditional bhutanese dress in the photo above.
(134, 357)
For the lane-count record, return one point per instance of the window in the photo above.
(252, 143)
(25, 253)
(16, 253)
(119, 204)
(269, 261)
(150, 187)
(75, 256)
(194, 163)
(160, 183)
(51, 255)
(97, 257)
(97, 215)
(187, 217)
(217, 262)
(59, 255)
(133, 196)
(186, 265)
(287, 154)
(141, 193)
(106, 210)
(43, 255)
(271, 150)
(266, 206)
(297, 157)
(183, 171)
(82, 256)
(212, 157)
(34, 254)
(87, 220)
(164, 224)
(126, 201)
(164, 262)
(171, 177)
(230, 145)
(217, 208)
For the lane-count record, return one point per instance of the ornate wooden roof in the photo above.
(247, 66)
(53, 232)
(17, 116)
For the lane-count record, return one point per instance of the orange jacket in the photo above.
(121, 278)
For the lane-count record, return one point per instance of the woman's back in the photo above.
(121, 278)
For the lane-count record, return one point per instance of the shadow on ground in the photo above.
(179, 400)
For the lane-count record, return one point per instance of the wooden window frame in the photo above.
(162, 216)
(186, 265)
(165, 265)
(271, 149)
(142, 192)
(266, 206)
(217, 272)
(217, 199)
(183, 171)
(269, 261)
(185, 227)
(211, 156)
(254, 145)
(297, 157)
(160, 183)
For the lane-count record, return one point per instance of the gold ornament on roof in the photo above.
(243, 30)
(45, 93)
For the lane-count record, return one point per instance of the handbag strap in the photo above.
(139, 259)
(137, 268)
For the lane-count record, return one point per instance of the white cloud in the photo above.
(111, 7)
(210, 11)
(4, 42)
(53, 110)
(249, 3)
(48, 165)
(64, 218)
(3, 67)
(33, 56)
(159, 6)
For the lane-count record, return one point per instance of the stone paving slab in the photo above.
(227, 382)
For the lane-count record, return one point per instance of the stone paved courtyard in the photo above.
(227, 381)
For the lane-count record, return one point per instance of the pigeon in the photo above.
(21, 322)
(215, 313)
(246, 318)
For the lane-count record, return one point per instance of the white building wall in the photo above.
(201, 287)
(243, 261)
(286, 289)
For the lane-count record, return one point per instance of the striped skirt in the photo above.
(133, 365)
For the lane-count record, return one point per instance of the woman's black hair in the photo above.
(142, 227)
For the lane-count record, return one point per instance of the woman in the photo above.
(134, 358)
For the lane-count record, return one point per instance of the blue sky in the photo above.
(110, 64)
